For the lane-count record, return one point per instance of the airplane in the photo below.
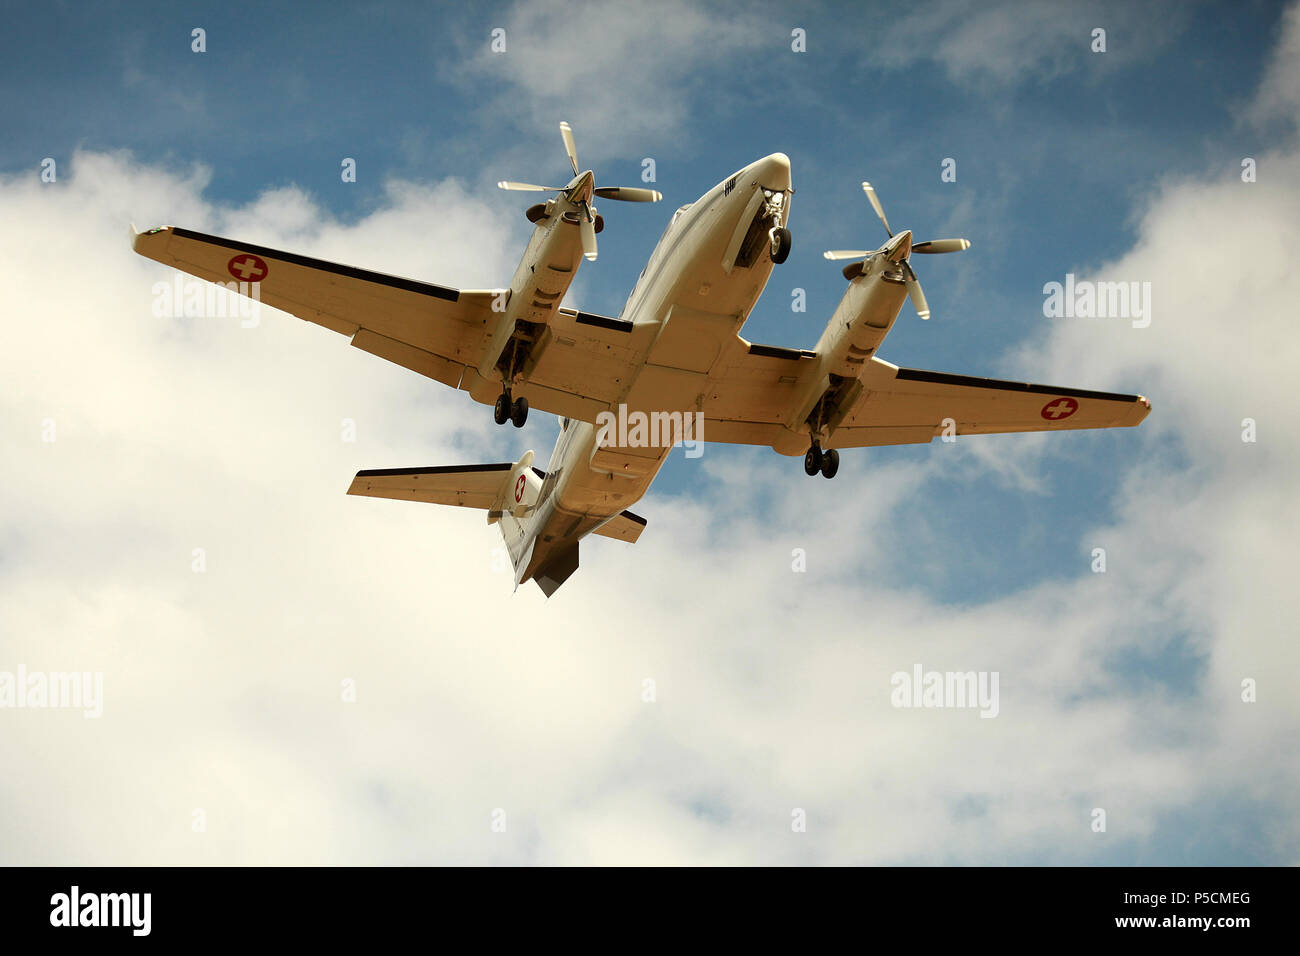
(674, 353)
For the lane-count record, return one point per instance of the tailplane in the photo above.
(508, 492)
(511, 494)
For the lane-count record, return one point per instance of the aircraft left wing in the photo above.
(903, 405)
(756, 400)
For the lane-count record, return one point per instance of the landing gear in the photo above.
(815, 460)
(519, 412)
(830, 463)
(780, 246)
(812, 461)
(506, 410)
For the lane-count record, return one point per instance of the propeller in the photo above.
(581, 190)
(898, 248)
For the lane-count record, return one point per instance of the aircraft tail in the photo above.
(511, 494)
(508, 492)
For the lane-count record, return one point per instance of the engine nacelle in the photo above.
(863, 318)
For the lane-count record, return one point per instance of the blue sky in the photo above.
(1067, 161)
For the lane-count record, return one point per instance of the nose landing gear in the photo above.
(779, 244)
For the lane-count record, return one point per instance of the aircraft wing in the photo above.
(904, 405)
(577, 369)
(754, 401)
(428, 328)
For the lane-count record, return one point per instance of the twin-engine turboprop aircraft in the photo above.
(674, 352)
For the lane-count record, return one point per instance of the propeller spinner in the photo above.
(582, 189)
(898, 249)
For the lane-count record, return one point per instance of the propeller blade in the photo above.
(628, 193)
(875, 204)
(915, 294)
(570, 147)
(941, 245)
(528, 187)
(835, 254)
(588, 228)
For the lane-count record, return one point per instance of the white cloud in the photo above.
(620, 73)
(222, 689)
(1279, 93)
(1008, 41)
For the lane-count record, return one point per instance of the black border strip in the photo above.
(442, 470)
(350, 272)
(971, 381)
(637, 518)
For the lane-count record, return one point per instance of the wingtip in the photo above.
(137, 236)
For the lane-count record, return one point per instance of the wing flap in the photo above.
(590, 357)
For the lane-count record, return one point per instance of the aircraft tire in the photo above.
(830, 463)
(812, 461)
(519, 412)
(781, 242)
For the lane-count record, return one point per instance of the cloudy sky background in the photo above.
(1119, 691)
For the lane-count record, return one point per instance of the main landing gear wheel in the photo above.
(501, 410)
(780, 244)
(812, 461)
(830, 463)
(519, 412)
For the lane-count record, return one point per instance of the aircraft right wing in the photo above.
(578, 367)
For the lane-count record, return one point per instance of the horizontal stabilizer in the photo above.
(464, 486)
(625, 526)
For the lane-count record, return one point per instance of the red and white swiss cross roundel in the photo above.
(247, 267)
(1059, 409)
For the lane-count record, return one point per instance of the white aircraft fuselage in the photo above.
(700, 284)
